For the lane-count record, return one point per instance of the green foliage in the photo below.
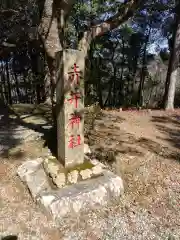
(115, 61)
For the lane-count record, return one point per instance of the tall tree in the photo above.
(53, 19)
(172, 72)
(93, 21)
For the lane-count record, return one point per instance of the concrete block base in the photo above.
(70, 200)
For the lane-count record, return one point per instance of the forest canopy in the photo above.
(132, 49)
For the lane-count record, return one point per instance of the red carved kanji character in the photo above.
(78, 140)
(75, 97)
(72, 143)
(74, 73)
(74, 120)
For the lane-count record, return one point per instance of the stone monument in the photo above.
(81, 183)
(70, 106)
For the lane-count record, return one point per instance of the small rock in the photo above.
(46, 160)
(97, 170)
(60, 180)
(85, 174)
(46, 200)
(52, 168)
(73, 176)
(52, 157)
(95, 162)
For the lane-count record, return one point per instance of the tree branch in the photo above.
(9, 45)
(52, 22)
(125, 11)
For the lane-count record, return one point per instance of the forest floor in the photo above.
(142, 147)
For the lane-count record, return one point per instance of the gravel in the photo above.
(19, 215)
(149, 209)
(134, 224)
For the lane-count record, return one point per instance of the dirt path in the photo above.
(143, 148)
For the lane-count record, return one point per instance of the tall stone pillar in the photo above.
(70, 105)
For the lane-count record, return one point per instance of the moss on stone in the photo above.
(52, 159)
(85, 165)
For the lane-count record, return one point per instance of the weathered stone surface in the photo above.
(32, 173)
(83, 196)
(73, 176)
(97, 170)
(29, 167)
(70, 199)
(95, 162)
(87, 149)
(62, 176)
(70, 106)
(51, 166)
(85, 174)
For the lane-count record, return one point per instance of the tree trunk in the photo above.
(108, 99)
(172, 72)
(34, 55)
(53, 18)
(114, 87)
(169, 104)
(143, 72)
(8, 84)
(99, 90)
(17, 88)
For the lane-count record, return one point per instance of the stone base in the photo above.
(62, 176)
(33, 175)
(82, 196)
(70, 200)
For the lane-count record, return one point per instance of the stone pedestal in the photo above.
(70, 105)
(70, 201)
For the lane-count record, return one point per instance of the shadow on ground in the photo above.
(170, 127)
(23, 115)
(10, 237)
(12, 118)
(7, 140)
(105, 137)
(109, 141)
